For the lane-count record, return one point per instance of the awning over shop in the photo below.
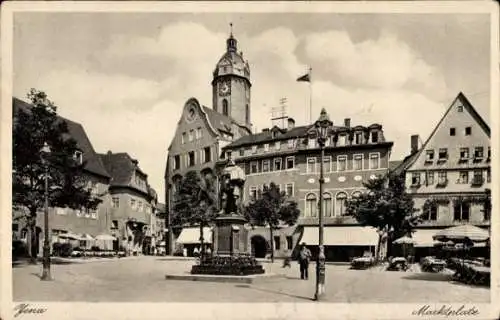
(192, 235)
(342, 236)
(423, 238)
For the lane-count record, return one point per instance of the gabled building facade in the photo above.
(133, 201)
(66, 220)
(450, 174)
(202, 132)
(288, 157)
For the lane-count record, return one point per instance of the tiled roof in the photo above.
(120, 167)
(398, 167)
(394, 164)
(267, 136)
(76, 131)
(217, 120)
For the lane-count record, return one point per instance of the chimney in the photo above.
(265, 130)
(414, 143)
(291, 123)
(347, 122)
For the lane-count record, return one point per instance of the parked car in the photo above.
(397, 264)
(364, 262)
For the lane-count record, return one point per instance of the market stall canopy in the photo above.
(463, 232)
(424, 238)
(105, 237)
(404, 240)
(70, 236)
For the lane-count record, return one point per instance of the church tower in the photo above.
(231, 84)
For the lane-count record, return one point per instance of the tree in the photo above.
(195, 203)
(385, 206)
(272, 208)
(68, 186)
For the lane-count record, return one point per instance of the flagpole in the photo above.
(310, 95)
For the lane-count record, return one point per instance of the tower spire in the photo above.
(231, 41)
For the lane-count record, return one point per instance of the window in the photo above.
(115, 202)
(253, 192)
(228, 154)
(357, 162)
(461, 211)
(311, 205)
(291, 143)
(177, 162)
(489, 153)
(191, 161)
(415, 179)
(327, 142)
(478, 152)
(277, 243)
(207, 154)
(277, 145)
(327, 205)
(133, 204)
(247, 114)
(374, 160)
(254, 167)
(468, 131)
(327, 164)
(341, 163)
(464, 153)
(290, 162)
(191, 135)
(225, 108)
(452, 131)
(254, 149)
(358, 137)
(430, 178)
(340, 203)
(199, 133)
(478, 177)
(289, 189)
(265, 165)
(374, 136)
(242, 152)
(342, 140)
(311, 165)
(311, 143)
(78, 157)
(277, 164)
(442, 178)
(289, 243)
(139, 206)
(266, 147)
(429, 155)
(488, 175)
(431, 213)
(463, 177)
(15, 227)
(114, 224)
(460, 108)
(443, 154)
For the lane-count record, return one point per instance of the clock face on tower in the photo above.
(224, 88)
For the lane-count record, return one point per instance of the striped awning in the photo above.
(192, 235)
(462, 232)
(342, 236)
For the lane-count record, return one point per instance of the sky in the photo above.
(126, 76)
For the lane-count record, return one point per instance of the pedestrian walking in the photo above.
(196, 252)
(304, 258)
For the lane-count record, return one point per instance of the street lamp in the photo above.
(322, 129)
(46, 244)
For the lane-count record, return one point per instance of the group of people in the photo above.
(197, 251)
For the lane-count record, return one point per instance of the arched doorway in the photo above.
(259, 246)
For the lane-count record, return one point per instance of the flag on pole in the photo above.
(304, 78)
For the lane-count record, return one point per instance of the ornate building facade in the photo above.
(289, 158)
(449, 177)
(202, 132)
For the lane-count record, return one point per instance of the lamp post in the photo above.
(46, 243)
(322, 126)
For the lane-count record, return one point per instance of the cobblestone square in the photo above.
(142, 279)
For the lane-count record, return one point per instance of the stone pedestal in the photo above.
(230, 236)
